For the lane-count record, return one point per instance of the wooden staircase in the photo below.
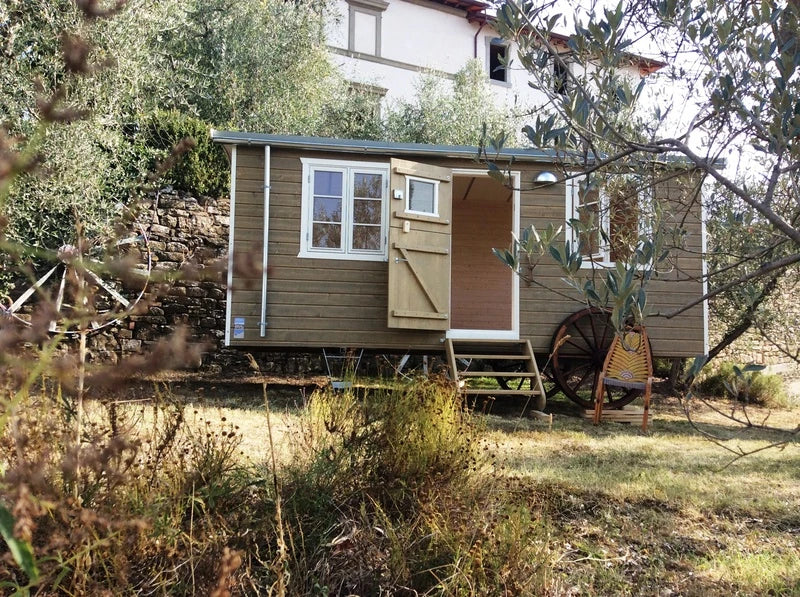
(511, 360)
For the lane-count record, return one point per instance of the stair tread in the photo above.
(493, 373)
(492, 392)
(505, 357)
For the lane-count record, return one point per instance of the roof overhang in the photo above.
(383, 148)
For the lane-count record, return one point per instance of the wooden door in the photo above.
(420, 225)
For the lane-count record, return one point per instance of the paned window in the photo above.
(344, 210)
(610, 217)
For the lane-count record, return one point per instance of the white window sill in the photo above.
(342, 256)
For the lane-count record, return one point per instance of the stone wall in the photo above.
(184, 233)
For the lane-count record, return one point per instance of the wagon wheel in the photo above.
(578, 350)
(83, 295)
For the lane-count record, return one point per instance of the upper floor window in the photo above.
(364, 34)
(560, 78)
(610, 217)
(498, 60)
(344, 210)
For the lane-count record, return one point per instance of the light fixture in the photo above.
(545, 177)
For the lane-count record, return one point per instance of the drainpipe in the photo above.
(475, 40)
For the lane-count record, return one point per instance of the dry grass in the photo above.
(628, 513)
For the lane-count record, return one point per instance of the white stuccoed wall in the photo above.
(428, 37)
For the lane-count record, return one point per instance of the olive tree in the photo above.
(740, 59)
(736, 64)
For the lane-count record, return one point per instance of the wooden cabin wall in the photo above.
(542, 310)
(336, 303)
(310, 302)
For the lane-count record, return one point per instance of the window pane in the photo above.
(589, 217)
(368, 186)
(366, 211)
(367, 238)
(326, 236)
(327, 209)
(421, 196)
(624, 220)
(327, 183)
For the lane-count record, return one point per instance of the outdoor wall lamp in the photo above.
(545, 177)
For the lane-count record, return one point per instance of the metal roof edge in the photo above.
(379, 147)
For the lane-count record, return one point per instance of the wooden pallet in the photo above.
(626, 414)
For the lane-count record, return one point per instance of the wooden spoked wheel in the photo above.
(578, 350)
(83, 295)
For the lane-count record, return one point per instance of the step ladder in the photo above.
(508, 359)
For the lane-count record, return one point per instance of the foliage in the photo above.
(439, 115)
(621, 288)
(392, 491)
(269, 72)
(203, 170)
(744, 66)
(746, 383)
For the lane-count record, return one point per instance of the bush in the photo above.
(745, 384)
(202, 169)
(393, 493)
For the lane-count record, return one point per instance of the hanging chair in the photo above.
(628, 364)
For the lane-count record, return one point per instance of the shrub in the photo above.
(203, 169)
(745, 384)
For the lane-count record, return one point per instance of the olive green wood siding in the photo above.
(325, 302)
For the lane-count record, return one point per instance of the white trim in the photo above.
(262, 324)
(513, 333)
(704, 268)
(231, 226)
(603, 259)
(348, 169)
(435, 183)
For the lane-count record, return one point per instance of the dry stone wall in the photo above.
(189, 234)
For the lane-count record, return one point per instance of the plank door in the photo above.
(420, 225)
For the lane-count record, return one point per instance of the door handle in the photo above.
(398, 260)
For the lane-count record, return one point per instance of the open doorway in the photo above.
(484, 292)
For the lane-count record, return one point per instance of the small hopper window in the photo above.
(344, 207)
(423, 196)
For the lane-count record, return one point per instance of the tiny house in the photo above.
(388, 247)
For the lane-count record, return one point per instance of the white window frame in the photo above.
(349, 170)
(496, 41)
(603, 257)
(435, 183)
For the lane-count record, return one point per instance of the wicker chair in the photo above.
(628, 364)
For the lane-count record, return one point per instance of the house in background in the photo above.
(385, 46)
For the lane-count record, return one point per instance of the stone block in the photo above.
(125, 334)
(159, 230)
(177, 247)
(131, 345)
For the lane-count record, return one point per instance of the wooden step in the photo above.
(493, 373)
(462, 353)
(487, 357)
(499, 392)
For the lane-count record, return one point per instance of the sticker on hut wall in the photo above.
(238, 327)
